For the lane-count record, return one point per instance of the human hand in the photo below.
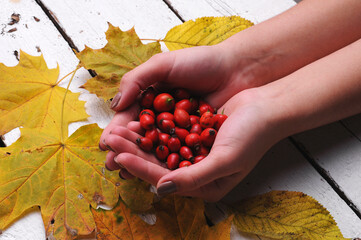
(210, 71)
(241, 141)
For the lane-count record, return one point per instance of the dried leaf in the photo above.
(177, 218)
(63, 178)
(123, 52)
(204, 31)
(30, 97)
(285, 215)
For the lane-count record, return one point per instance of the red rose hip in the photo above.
(184, 104)
(181, 93)
(163, 102)
(181, 118)
(194, 119)
(162, 152)
(193, 140)
(196, 128)
(167, 126)
(181, 133)
(219, 120)
(208, 136)
(147, 98)
(204, 107)
(164, 116)
(174, 144)
(153, 135)
(198, 158)
(163, 138)
(146, 121)
(145, 144)
(206, 120)
(186, 153)
(173, 161)
(184, 164)
(147, 111)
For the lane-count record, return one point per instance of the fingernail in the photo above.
(120, 165)
(166, 188)
(120, 175)
(100, 147)
(106, 167)
(115, 100)
(107, 146)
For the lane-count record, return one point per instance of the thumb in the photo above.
(156, 69)
(193, 177)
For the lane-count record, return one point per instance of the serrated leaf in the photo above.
(177, 218)
(63, 178)
(285, 215)
(123, 52)
(30, 97)
(204, 31)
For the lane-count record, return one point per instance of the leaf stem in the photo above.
(151, 39)
(57, 82)
(63, 102)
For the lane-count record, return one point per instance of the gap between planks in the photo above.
(324, 174)
(298, 145)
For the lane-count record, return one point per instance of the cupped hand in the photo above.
(242, 140)
(210, 71)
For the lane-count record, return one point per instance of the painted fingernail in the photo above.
(106, 167)
(166, 188)
(120, 175)
(107, 146)
(120, 165)
(100, 147)
(115, 100)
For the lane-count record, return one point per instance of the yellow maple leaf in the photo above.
(63, 178)
(123, 52)
(204, 31)
(177, 218)
(285, 215)
(30, 97)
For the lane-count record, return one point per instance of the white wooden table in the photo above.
(324, 163)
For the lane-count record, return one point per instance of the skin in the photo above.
(262, 77)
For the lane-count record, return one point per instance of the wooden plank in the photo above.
(284, 168)
(187, 10)
(85, 22)
(256, 11)
(85, 30)
(338, 151)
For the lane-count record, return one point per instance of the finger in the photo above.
(135, 127)
(120, 119)
(124, 174)
(156, 69)
(195, 176)
(110, 164)
(217, 189)
(139, 167)
(120, 144)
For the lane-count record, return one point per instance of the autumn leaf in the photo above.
(63, 178)
(204, 31)
(30, 96)
(123, 52)
(285, 215)
(177, 218)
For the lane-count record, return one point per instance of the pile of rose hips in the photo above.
(179, 129)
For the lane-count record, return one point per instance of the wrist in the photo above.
(250, 61)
